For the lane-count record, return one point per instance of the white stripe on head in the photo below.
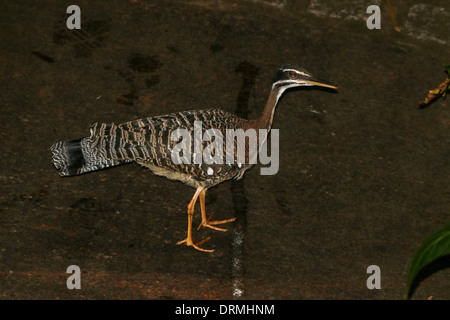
(286, 85)
(297, 71)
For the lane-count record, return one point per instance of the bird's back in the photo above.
(150, 142)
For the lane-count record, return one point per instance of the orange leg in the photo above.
(205, 220)
(188, 239)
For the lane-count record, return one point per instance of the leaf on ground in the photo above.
(436, 246)
(441, 90)
(447, 69)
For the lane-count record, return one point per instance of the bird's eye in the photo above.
(292, 74)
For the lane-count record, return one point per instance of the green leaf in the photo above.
(447, 69)
(436, 246)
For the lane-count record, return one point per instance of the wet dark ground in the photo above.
(363, 175)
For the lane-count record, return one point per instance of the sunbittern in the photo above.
(150, 143)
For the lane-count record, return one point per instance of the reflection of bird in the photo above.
(150, 143)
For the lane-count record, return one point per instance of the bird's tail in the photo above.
(77, 156)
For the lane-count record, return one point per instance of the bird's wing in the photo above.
(209, 118)
(150, 141)
(152, 138)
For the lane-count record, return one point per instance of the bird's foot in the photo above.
(189, 242)
(210, 224)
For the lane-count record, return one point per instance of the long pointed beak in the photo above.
(321, 83)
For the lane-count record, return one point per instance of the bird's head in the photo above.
(290, 76)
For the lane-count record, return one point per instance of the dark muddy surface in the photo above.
(363, 176)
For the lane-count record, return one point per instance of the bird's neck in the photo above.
(265, 119)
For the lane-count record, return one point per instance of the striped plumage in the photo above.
(148, 142)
